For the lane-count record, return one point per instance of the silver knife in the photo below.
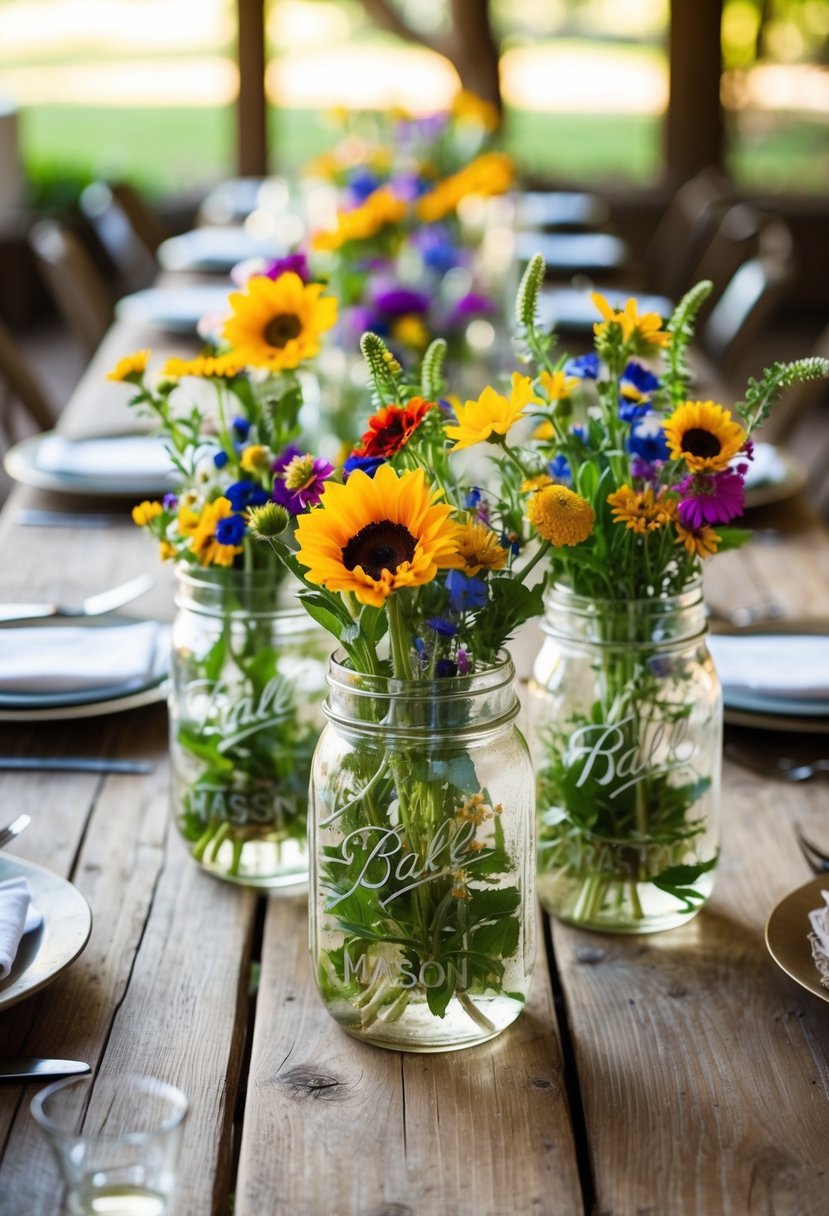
(73, 764)
(15, 1068)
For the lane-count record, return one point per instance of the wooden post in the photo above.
(694, 123)
(251, 105)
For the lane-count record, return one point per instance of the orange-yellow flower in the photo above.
(639, 333)
(560, 516)
(131, 367)
(491, 415)
(276, 323)
(704, 435)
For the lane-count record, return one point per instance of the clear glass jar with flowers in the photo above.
(422, 874)
(247, 667)
(635, 485)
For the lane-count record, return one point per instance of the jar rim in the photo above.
(489, 679)
(690, 595)
(202, 589)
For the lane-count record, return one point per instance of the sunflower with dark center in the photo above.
(704, 435)
(276, 323)
(374, 535)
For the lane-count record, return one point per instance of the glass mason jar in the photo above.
(422, 873)
(626, 727)
(246, 687)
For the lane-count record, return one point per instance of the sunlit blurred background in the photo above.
(144, 89)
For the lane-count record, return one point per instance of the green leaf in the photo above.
(499, 940)
(683, 875)
(732, 538)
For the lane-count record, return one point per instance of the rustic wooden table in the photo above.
(676, 1074)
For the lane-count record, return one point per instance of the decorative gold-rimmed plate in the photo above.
(49, 950)
(787, 935)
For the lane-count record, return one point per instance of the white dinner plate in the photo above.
(109, 466)
(773, 476)
(787, 935)
(175, 310)
(214, 250)
(47, 951)
(91, 698)
(797, 724)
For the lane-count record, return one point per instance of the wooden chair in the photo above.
(126, 248)
(24, 409)
(77, 288)
(752, 295)
(685, 230)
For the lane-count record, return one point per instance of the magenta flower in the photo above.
(300, 480)
(710, 498)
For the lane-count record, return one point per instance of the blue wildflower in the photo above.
(637, 382)
(559, 469)
(445, 669)
(362, 183)
(585, 367)
(465, 594)
(169, 502)
(580, 433)
(244, 494)
(630, 411)
(366, 464)
(220, 459)
(511, 541)
(241, 427)
(445, 628)
(647, 438)
(231, 530)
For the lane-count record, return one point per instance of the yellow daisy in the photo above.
(166, 551)
(187, 520)
(704, 435)
(411, 331)
(639, 510)
(468, 107)
(203, 541)
(557, 386)
(479, 548)
(561, 516)
(206, 367)
(381, 208)
(131, 367)
(145, 512)
(276, 323)
(374, 535)
(640, 333)
(491, 414)
(530, 485)
(255, 458)
(702, 542)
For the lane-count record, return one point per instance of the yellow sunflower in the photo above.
(491, 414)
(276, 323)
(557, 386)
(206, 367)
(704, 435)
(702, 542)
(374, 535)
(203, 542)
(146, 512)
(479, 548)
(561, 516)
(131, 367)
(639, 510)
(639, 333)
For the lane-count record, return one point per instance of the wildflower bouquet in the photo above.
(626, 706)
(421, 787)
(247, 674)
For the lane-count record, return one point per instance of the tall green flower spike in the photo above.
(681, 328)
(383, 367)
(761, 395)
(529, 343)
(431, 370)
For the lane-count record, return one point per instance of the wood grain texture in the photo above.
(339, 1127)
(703, 1068)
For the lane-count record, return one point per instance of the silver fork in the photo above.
(787, 768)
(93, 605)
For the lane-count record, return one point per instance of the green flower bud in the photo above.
(267, 521)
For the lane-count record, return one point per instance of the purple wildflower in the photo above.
(300, 479)
(463, 661)
(445, 669)
(645, 470)
(473, 304)
(169, 502)
(295, 263)
(710, 498)
(401, 302)
(437, 248)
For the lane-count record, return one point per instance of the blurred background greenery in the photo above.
(144, 89)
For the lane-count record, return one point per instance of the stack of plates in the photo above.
(775, 676)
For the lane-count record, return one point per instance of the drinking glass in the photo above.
(116, 1140)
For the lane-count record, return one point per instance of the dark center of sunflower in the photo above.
(281, 328)
(379, 546)
(699, 442)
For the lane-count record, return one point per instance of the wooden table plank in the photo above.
(337, 1126)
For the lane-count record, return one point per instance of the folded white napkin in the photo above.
(135, 457)
(778, 665)
(69, 658)
(819, 938)
(17, 916)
